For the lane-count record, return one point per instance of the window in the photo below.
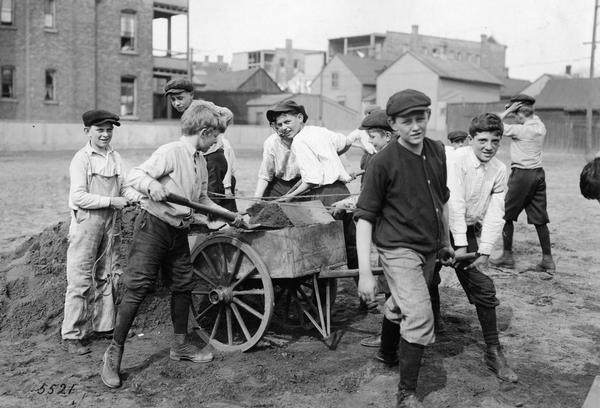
(335, 82)
(50, 85)
(6, 12)
(282, 62)
(296, 63)
(49, 13)
(128, 27)
(127, 96)
(341, 100)
(8, 80)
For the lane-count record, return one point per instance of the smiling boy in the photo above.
(477, 183)
(96, 193)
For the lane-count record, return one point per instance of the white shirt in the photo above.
(278, 161)
(527, 143)
(477, 193)
(316, 150)
(230, 157)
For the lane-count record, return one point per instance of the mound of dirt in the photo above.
(33, 284)
(268, 214)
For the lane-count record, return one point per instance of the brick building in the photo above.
(59, 58)
(486, 53)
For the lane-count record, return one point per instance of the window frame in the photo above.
(10, 10)
(50, 72)
(335, 80)
(52, 13)
(10, 68)
(131, 48)
(123, 113)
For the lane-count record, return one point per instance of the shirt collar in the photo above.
(90, 150)
(475, 161)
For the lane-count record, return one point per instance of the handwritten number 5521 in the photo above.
(55, 389)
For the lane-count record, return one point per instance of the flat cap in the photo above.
(99, 116)
(178, 85)
(377, 119)
(371, 108)
(457, 135)
(526, 99)
(286, 107)
(407, 101)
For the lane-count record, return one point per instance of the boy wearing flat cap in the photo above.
(96, 194)
(402, 210)
(160, 233)
(458, 138)
(180, 92)
(527, 181)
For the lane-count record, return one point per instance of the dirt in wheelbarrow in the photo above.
(550, 329)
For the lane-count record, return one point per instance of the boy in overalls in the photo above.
(96, 194)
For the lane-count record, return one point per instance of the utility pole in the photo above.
(590, 109)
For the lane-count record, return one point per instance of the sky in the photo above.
(541, 36)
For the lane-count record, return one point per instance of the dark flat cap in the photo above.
(377, 119)
(288, 106)
(371, 108)
(526, 99)
(179, 85)
(407, 101)
(99, 116)
(457, 135)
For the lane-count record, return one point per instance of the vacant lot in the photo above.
(551, 328)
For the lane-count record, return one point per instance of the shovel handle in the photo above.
(201, 208)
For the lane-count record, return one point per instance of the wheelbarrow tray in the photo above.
(293, 252)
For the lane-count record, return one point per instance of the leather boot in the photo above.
(112, 365)
(505, 261)
(547, 265)
(410, 365)
(495, 360)
(390, 337)
(183, 350)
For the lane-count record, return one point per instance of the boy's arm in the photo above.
(144, 178)
(366, 282)
(493, 220)
(457, 207)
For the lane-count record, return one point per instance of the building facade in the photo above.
(59, 58)
(487, 53)
(292, 68)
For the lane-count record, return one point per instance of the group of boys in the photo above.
(420, 204)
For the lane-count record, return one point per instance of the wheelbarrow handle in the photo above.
(201, 208)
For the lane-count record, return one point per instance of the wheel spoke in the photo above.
(229, 326)
(200, 292)
(236, 261)
(205, 311)
(247, 307)
(249, 292)
(202, 275)
(210, 264)
(243, 277)
(240, 321)
(224, 270)
(217, 322)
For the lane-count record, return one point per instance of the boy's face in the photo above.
(100, 135)
(379, 138)
(181, 101)
(460, 142)
(485, 145)
(207, 138)
(287, 125)
(410, 128)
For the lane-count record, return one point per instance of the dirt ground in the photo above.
(550, 327)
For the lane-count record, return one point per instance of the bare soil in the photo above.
(550, 327)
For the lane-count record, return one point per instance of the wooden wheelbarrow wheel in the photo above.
(232, 302)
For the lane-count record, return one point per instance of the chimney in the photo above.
(206, 59)
(568, 70)
(415, 29)
(220, 59)
(483, 38)
(288, 43)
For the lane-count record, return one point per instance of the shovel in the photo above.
(207, 210)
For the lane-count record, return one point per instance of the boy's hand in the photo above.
(118, 203)
(446, 256)
(157, 192)
(238, 222)
(481, 263)
(367, 287)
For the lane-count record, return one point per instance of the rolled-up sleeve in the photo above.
(372, 196)
(267, 166)
(79, 195)
(457, 206)
(158, 165)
